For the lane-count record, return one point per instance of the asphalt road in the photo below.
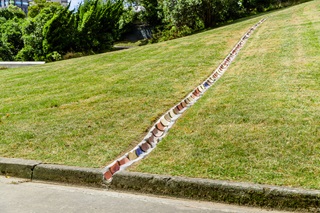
(21, 196)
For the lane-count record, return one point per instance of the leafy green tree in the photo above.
(182, 13)
(97, 24)
(54, 30)
(33, 33)
(37, 5)
(5, 54)
(262, 5)
(12, 12)
(11, 36)
(235, 10)
(58, 34)
(153, 12)
(11, 42)
(127, 21)
(248, 5)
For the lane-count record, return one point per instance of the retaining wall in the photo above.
(13, 64)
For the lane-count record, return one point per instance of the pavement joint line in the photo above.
(32, 169)
(157, 132)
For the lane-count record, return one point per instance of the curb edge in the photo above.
(247, 194)
(36, 170)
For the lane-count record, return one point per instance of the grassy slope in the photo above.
(90, 110)
(261, 122)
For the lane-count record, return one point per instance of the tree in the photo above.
(153, 13)
(11, 42)
(33, 36)
(182, 13)
(97, 24)
(5, 54)
(54, 30)
(11, 36)
(12, 12)
(37, 5)
(58, 34)
(249, 5)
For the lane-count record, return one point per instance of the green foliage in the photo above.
(11, 19)
(12, 12)
(5, 54)
(52, 30)
(58, 34)
(153, 13)
(33, 34)
(53, 56)
(97, 23)
(182, 13)
(70, 55)
(37, 5)
(127, 21)
(11, 36)
(200, 14)
(172, 33)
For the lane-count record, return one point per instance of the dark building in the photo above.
(23, 4)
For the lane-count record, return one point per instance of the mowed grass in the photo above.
(89, 111)
(260, 122)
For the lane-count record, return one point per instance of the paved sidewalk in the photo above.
(23, 196)
(246, 194)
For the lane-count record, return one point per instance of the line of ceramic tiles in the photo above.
(161, 127)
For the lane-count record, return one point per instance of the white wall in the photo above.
(12, 64)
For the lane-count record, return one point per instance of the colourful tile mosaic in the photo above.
(161, 127)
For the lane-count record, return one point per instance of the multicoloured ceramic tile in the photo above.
(159, 130)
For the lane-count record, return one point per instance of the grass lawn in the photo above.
(261, 121)
(89, 111)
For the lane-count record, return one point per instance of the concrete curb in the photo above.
(68, 174)
(266, 196)
(35, 170)
(283, 198)
(17, 167)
